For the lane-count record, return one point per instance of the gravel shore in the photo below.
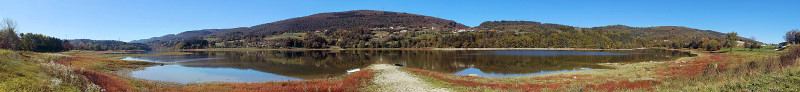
(391, 79)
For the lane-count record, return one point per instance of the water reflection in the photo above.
(286, 65)
(181, 74)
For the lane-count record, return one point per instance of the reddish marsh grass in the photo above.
(107, 82)
(349, 84)
(694, 67)
(624, 84)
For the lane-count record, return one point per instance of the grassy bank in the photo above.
(102, 71)
(28, 71)
(737, 70)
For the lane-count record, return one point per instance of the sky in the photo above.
(126, 20)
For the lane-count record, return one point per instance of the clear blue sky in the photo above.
(127, 20)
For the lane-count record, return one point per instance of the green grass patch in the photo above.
(286, 35)
(422, 36)
(210, 39)
(380, 33)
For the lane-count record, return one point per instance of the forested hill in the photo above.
(659, 33)
(675, 33)
(347, 20)
(382, 29)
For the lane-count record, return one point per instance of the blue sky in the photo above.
(767, 20)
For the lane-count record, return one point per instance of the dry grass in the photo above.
(29, 71)
(738, 71)
(707, 72)
(468, 81)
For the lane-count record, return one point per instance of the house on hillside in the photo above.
(465, 30)
(462, 30)
(740, 43)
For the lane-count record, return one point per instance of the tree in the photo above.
(40, 43)
(754, 44)
(8, 36)
(68, 45)
(793, 36)
(730, 40)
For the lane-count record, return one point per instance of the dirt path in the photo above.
(390, 78)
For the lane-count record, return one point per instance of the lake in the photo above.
(279, 65)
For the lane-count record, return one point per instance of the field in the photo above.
(286, 35)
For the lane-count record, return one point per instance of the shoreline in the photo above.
(628, 67)
(263, 49)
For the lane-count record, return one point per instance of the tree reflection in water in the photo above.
(325, 63)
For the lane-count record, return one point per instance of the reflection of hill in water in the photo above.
(321, 64)
(306, 65)
(454, 61)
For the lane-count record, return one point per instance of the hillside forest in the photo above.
(9, 39)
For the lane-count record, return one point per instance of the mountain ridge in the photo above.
(346, 20)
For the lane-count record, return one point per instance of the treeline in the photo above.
(102, 45)
(730, 41)
(28, 42)
(41, 43)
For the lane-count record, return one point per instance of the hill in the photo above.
(659, 33)
(675, 33)
(383, 29)
(347, 20)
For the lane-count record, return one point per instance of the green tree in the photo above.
(730, 40)
(40, 43)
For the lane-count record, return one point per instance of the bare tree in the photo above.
(8, 35)
(754, 44)
(793, 36)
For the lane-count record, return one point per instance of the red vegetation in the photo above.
(107, 82)
(694, 67)
(468, 83)
(625, 84)
(349, 83)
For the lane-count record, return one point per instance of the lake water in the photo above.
(262, 66)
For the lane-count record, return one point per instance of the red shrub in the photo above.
(625, 84)
(109, 83)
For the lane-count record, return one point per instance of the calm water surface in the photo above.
(261, 66)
